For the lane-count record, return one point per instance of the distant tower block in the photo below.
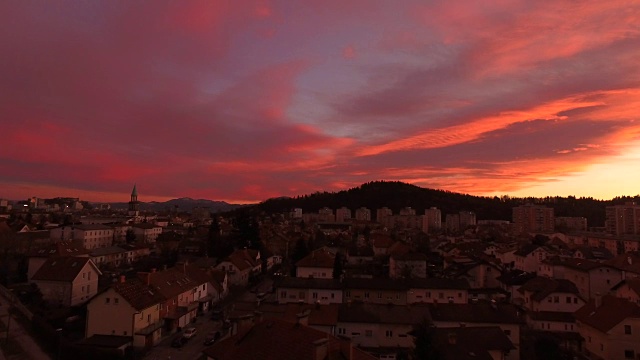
(134, 204)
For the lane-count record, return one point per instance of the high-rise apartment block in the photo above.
(343, 214)
(433, 217)
(533, 218)
(623, 219)
(363, 214)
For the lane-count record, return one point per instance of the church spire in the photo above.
(134, 204)
(135, 191)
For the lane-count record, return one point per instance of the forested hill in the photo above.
(396, 195)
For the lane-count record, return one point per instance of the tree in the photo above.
(338, 266)
(299, 251)
(130, 236)
(423, 341)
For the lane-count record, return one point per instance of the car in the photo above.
(178, 341)
(189, 332)
(212, 337)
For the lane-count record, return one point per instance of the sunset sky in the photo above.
(246, 100)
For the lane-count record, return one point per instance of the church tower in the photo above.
(134, 204)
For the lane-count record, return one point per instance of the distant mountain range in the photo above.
(181, 204)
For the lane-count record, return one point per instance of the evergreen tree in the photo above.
(338, 266)
(423, 342)
(130, 236)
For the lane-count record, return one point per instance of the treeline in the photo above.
(397, 195)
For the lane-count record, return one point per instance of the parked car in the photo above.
(189, 332)
(212, 337)
(178, 341)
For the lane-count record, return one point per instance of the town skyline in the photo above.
(245, 102)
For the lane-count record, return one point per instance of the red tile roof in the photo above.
(610, 313)
(170, 283)
(277, 339)
(61, 248)
(138, 294)
(318, 258)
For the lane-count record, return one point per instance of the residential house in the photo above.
(309, 291)
(434, 290)
(375, 291)
(480, 274)
(146, 233)
(555, 321)
(610, 327)
(382, 330)
(471, 343)
(240, 265)
(67, 281)
(128, 308)
(480, 314)
(277, 339)
(592, 253)
(318, 264)
(529, 257)
(629, 263)
(409, 265)
(628, 289)
(591, 277)
(381, 243)
(88, 236)
(545, 294)
(179, 292)
(38, 257)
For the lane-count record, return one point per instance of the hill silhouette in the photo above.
(397, 195)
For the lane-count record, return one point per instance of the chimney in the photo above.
(321, 348)
(452, 338)
(597, 299)
(123, 279)
(303, 318)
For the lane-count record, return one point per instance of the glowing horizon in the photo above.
(258, 99)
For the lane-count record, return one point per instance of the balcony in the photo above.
(149, 329)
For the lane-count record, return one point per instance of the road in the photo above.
(17, 334)
(192, 349)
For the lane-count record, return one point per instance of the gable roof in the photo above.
(471, 343)
(480, 312)
(318, 258)
(610, 313)
(633, 283)
(595, 253)
(359, 312)
(628, 262)
(541, 287)
(526, 249)
(581, 264)
(172, 282)
(243, 259)
(60, 248)
(277, 339)
(138, 294)
(308, 283)
(65, 268)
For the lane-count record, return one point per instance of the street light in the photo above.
(59, 332)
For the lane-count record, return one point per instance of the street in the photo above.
(192, 349)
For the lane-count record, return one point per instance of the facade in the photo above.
(623, 219)
(571, 223)
(147, 233)
(610, 327)
(591, 278)
(343, 214)
(67, 281)
(318, 264)
(533, 218)
(433, 217)
(375, 291)
(545, 294)
(529, 257)
(89, 236)
(309, 291)
(128, 308)
(435, 290)
(363, 214)
(410, 265)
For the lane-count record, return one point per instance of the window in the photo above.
(368, 333)
(333, 296)
(83, 289)
(315, 295)
(629, 354)
(342, 331)
(459, 295)
(366, 295)
(379, 295)
(550, 299)
(440, 295)
(428, 294)
(116, 300)
(107, 300)
(347, 293)
(388, 333)
(568, 299)
(88, 288)
(575, 300)
(301, 295)
(149, 318)
(556, 299)
(627, 329)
